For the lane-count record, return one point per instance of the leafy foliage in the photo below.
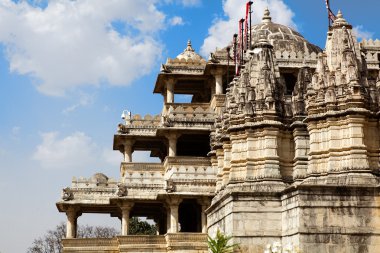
(220, 244)
(51, 242)
(139, 227)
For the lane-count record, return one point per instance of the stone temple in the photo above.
(288, 151)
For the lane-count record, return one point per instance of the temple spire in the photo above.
(267, 18)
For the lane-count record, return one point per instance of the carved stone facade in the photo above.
(288, 150)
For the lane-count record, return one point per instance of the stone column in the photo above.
(125, 211)
(170, 91)
(301, 146)
(172, 144)
(204, 219)
(168, 220)
(71, 225)
(173, 203)
(204, 203)
(128, 144)
(218, 74)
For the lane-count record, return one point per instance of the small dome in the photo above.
(100, 179)
(189, 53)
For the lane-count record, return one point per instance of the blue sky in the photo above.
(69, 68)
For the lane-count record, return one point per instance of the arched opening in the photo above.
(190, 216)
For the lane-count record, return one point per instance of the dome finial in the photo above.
(340, 21)
(189, 47)
(339, 15)
(267, 18)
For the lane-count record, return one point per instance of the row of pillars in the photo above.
(172, 218)
(172, 139)
(218, 75)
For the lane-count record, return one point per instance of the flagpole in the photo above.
(235, 53)
(250, 24)
(241, 41)
(228, 63)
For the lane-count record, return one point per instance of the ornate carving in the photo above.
(122, 190)
(67, 194)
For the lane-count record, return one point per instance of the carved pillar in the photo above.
(204, 220)
(301, 141)
(170, 91)
(172, 144)
(168, 219)
(71, 225)
(204, 203)
(174, 218)
(218, 74)
(173, 205)
(128, 144)
(125, 211)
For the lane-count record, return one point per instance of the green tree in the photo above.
(139, 227)
(221, 243)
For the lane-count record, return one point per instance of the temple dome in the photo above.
(189, 53)
(283, 38)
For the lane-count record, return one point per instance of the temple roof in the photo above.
(189, 53)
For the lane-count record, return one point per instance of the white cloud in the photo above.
(176, 20)
(191, 2)
(84, 100)
(112, 157)
(220, 33)
(74, 43)
(361, 34)
(186, 3)
(76, 150)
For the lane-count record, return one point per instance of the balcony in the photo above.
(185, 174)
(183, 114)
(173, 242)
(189, 174)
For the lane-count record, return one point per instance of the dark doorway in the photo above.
(290, 81)
(190, 216)
(193, 145)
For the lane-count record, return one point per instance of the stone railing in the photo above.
(142, 243)
(195, 113)
(370, 43)
(93, 182)
(183, 61)
(86, 245)
(100, 186)
(137, 123)
(142, 173)
(294, 59)
(176, 242)
(189, 174)
(180, 242)
(148, 120)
